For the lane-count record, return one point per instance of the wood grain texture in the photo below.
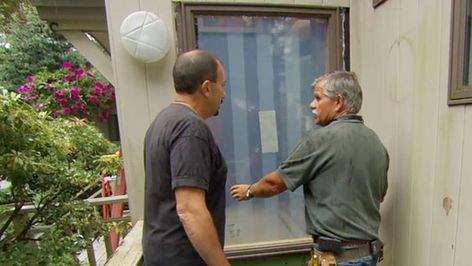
(130, 252)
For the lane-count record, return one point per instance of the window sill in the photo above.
(260, 249)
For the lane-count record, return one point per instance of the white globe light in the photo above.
(145, 36)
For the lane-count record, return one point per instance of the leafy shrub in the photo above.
(48, 162)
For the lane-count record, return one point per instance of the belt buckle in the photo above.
(329, 244)
(354, 253)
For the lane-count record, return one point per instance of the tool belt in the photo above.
(329, 252)
(319, 258)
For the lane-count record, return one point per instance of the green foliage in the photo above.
(9, 8)
(28, 45)
(48, 162)
(58, 245)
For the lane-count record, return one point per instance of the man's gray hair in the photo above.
(345, 84)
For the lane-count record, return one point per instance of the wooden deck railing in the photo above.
(137, 229)
(100, 202)
(130, 252)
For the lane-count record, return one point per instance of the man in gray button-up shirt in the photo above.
(341, 166)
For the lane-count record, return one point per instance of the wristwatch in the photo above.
(249, 193)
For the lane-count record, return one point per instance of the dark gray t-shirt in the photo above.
(343, 170)
(179, 150)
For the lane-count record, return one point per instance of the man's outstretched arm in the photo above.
(268, 186)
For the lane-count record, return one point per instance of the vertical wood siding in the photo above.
(142, 90)
(401, 53)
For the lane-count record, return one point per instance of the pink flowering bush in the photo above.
(69, 91)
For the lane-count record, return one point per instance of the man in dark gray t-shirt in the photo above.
(343, 170)
(184, 215)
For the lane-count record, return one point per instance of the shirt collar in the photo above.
(350, 118)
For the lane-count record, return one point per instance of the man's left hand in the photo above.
(238, 192)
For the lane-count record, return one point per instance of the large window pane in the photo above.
(270, 63)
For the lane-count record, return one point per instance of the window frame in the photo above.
(458, 92)
(338, 57)
(338, 54)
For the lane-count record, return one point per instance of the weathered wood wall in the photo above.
(401, 53)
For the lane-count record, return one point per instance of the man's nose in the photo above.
(313, 104)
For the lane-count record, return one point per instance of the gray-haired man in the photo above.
(343, 169)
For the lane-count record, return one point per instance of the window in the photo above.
(460, 79)
(271, 57)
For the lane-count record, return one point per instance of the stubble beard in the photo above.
(218, 110)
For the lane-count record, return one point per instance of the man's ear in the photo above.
(205, 88)
(340, 104)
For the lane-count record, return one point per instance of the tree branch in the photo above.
(39, 210)
(15, 212)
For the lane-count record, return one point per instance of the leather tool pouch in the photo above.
(328, 259)
(322, 259)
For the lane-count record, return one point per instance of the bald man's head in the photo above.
(192, 68)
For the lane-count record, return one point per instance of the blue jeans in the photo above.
(364, 261)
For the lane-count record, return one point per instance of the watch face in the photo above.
(248, 192)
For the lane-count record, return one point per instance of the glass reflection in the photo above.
(270, 63)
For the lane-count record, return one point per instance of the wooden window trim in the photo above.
(458, 92)
(337, 58)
